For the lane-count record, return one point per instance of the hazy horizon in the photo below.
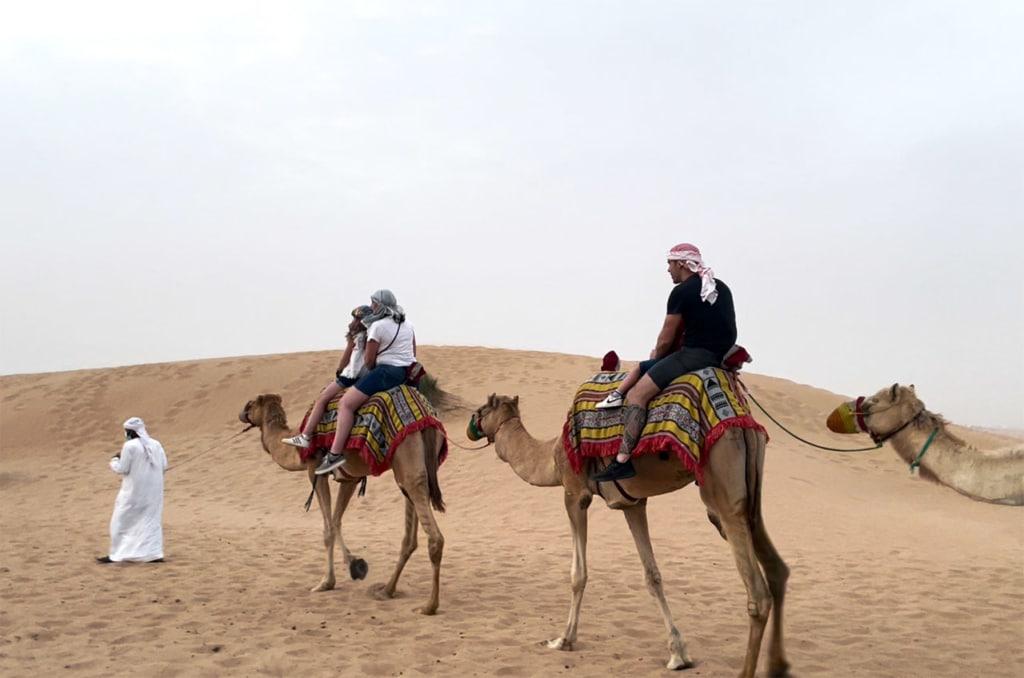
(218, 179)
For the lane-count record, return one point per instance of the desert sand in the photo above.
(891, 575)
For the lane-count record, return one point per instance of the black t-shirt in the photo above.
(708, 326)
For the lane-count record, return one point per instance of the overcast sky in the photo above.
(197, 179)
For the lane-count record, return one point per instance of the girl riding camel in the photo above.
(390, 350)
(350, 368)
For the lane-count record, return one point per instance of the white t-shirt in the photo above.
(400, 353)
(356, 361)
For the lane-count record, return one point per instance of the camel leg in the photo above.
(576, 506)
(724, 491)
(323, 500)
(408, 546)
(776, 571)
(636, 518)
(410, 472)
(435, 544)
(357, 566)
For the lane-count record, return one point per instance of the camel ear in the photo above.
(274, 398)
(911, 387)
(515, 401)
(492, 399)
(893, 394)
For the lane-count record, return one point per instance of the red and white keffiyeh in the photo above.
(690, 256)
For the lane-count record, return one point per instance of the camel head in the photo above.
(486, 421)
(265, 409)
(890, 410)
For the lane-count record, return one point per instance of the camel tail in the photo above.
(431, 459)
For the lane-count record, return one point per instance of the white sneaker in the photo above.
(614, 399)
(297, 441)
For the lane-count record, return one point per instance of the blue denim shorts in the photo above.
(381, 378)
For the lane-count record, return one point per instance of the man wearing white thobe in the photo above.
(136, 530)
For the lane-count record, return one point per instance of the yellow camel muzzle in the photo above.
(847, 418)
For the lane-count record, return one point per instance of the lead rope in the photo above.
(805, 442)
(463, 447)
(199, 454)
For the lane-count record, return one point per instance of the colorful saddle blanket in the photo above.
(382, 423)
(687, 418)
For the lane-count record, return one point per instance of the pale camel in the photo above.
(731, 491)
(414, 465)
(897, 415)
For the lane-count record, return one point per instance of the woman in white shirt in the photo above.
(350, 368)
(390, 350)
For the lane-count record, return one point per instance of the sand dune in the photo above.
(891, 576)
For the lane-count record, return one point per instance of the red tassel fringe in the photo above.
(657, 443)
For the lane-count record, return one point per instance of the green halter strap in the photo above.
(928, 443)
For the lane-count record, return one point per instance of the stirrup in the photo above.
(615, 471)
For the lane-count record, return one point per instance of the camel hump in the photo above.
(686, 419)
(382, 423)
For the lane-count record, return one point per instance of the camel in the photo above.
(414, 465)
(895, 414)
(731, 491)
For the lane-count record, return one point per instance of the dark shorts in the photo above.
(381, 378)
(666, 370)
(345, 382)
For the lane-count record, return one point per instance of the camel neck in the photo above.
(953, 463)
(531, 459)
(286, 456)
(912, 440)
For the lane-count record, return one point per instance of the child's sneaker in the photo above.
(297, 441)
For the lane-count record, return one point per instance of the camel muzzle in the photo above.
(472, 432)
(243, 416)
(848, 418)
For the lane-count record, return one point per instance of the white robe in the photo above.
(136, 530)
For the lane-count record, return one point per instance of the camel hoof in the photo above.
(358, 568)
(559, 643)
(381, 592)
(325, 585)
(780, 671)
(427, 610)
(679, 664)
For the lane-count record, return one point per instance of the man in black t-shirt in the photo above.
(700, 309)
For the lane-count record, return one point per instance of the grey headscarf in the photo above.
(388, 306)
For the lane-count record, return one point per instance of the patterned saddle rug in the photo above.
(382, 423)
(687, 418)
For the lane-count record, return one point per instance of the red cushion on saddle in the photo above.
(735, 358)
(610, 363)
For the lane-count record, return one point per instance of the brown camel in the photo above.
(731, 491)
(414, 465)
(897, 415)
